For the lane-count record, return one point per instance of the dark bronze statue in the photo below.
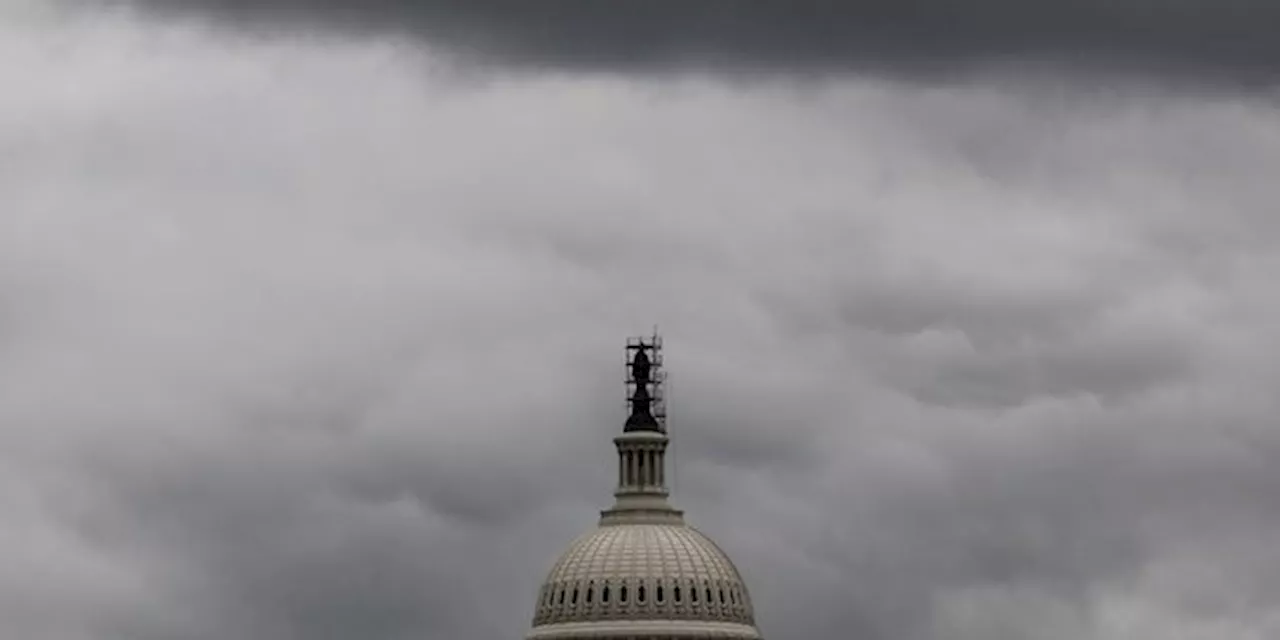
(641, 418)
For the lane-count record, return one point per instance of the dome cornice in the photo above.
(644, 628)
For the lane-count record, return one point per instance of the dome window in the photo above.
(575, 593)
(591, 588)
(677, 594)
(693, 594)
(561, 595)
(710, 600)
(640, 594)
(622, 594)
(660, 598)
(574, 598)
(604, 594)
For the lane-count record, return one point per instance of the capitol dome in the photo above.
(643, 573)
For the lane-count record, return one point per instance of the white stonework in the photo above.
(643, 573)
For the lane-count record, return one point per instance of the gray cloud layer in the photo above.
(311, 339)
(1228, 40)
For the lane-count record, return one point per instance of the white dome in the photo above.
(643, 573)
(664, 572)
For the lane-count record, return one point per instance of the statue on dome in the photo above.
(642, 375)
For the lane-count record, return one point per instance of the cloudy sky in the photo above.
(311, 316)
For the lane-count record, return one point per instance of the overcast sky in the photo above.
(311, 318)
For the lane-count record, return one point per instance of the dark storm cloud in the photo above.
(1233, 39)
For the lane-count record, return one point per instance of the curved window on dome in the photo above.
(676, 593)
(591, 589)
(660, 598)
(710, 600)
(561, 595)
(622, 594)
(721, 595)
(574, 598)
(604, 594)
(640, 594)
(733, 599)
(693, 594)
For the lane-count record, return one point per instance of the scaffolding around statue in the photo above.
(644, 379)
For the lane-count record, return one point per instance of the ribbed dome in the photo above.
(668, 571)
(642, 573)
